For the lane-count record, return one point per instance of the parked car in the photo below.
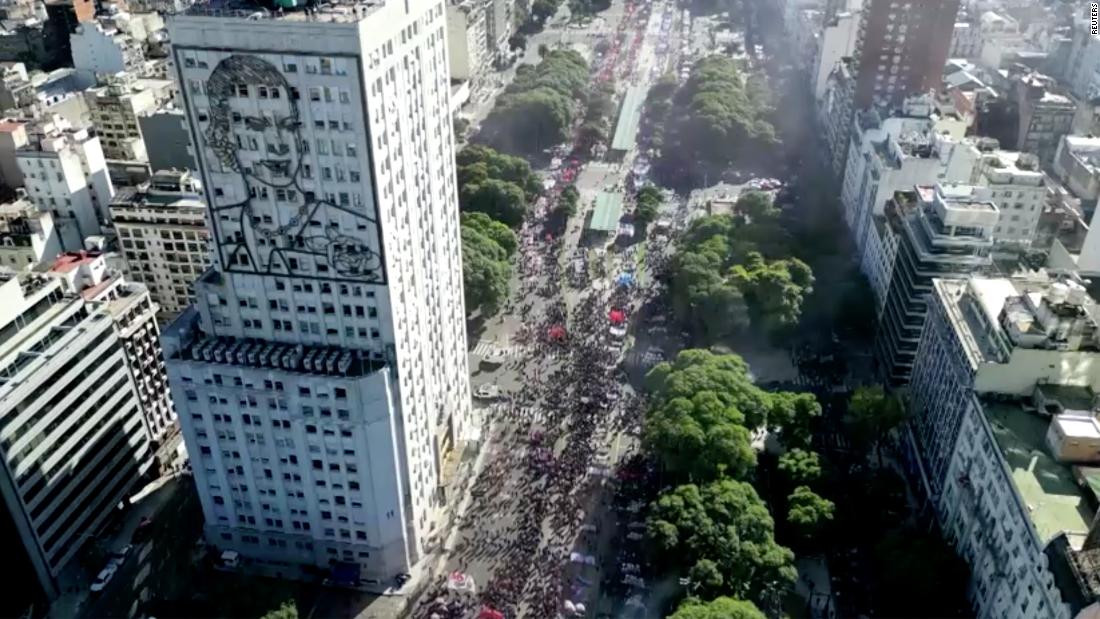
(105, 575)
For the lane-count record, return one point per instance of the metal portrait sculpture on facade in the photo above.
(278, 243)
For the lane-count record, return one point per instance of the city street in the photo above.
(538, 523)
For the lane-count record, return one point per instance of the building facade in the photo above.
(901, 49)
(27, 236)
(115, 108)
(73, 440)
(321, 380)
(467, 41)
(941, 231)
(65, 174)
(1002, 408)
(1019, 188)
(161, 228)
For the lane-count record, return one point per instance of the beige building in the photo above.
(115, 108)
(163, 236)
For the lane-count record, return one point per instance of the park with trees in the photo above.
(732, 272)
(718, 118)
(537, 109)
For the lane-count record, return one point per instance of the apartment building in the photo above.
(321, 379)
(467, 40)
(1004, 438)
(65, 174)
(27, 236)
(901, 49)
(115, 108)
(1019, 187)
(161, 228)
(73, 438)
(935, 231)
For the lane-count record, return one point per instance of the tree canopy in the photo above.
(808, 512)
(800, 467)
(647, 204)
(718, 608)
(724, 523)
(716, 119)
(722, 281)
(703, 408)
(499, 185)
(535, 111)
(486, 270)
(568, 200)
(872, 414)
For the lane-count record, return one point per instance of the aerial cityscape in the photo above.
(540, 309)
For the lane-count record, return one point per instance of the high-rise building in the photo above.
(934, 231)
(321, 380)
(75, 411)
(1019, 187)
(161, 227)
(901, 49)
(1003, 438)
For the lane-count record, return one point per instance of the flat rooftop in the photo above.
(1054, 499)
(609, 209)
(341, 11)
(630, 114)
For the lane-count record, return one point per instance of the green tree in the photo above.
(792, 415)
(808, 513)
(288, 610)
(648, 200)
(800, 467)
(568, 200)
(773, 290)
(700, 438)
(755, 206)
(536, 110)
(486, 271)
(500, 200)
(500, 234)
(872, 414)
(724, 522)
(718, 608)
(705, 578)
(542, 10)
(694, 371)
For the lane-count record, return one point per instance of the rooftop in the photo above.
(338, 11)
(609, 209)
(630, 114)
(1054, 500)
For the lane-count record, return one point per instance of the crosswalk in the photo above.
(487, 349)
(532, 414)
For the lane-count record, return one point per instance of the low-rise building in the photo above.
(966, 41)
(1077, 166)
(163, 236)
(1019, 188)
(27, 236)
(1045, 115)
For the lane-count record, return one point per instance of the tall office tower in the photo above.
(902, 48)
(74, 438)
(321, 380)
(161, 227)
(934, 231)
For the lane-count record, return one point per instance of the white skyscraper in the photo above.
(322, 380)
